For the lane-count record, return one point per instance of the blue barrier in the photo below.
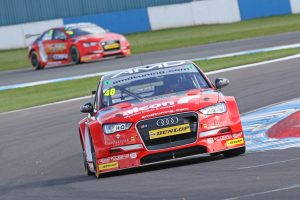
(129, 21)
(250, 9)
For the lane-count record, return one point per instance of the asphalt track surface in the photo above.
(30, 75)
(40, 154)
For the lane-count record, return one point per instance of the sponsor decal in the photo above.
(132, 138)
(149, 68)
(118, 136)
(222, 138)
(165, 112)
(107, 82)
(86, 58)
(170, 131)
(60, 56)
(118, 158)
(133, 155)
(158, 106)
(210, 140)
(235, 142)
(54, 48)
(117, 142)
(107, 166)
(237, 135)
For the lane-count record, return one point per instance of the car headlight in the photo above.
(214, 109)
(123, 39)
(112, 128)
(89, 44)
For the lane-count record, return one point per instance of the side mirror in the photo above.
(87, 108)
(221, 82)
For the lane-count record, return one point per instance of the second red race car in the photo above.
(76, 43)
(156, 113)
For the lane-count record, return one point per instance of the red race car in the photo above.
(76, 43)
(156, 113)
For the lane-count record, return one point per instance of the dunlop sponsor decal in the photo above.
(235, 142)
(107, 166)
(169, 131)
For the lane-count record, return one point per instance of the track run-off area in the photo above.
(41, 158)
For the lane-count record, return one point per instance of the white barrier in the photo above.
(194, 13)
(11, 37)
(295, 5)
(171, 16)
(14, 36)
(215, 11)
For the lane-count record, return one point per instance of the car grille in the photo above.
(110, 45)
(144, 127)
(180, 153)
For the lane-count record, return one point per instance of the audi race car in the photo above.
(76, 43)
(156, 113)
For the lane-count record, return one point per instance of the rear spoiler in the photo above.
(31, 35)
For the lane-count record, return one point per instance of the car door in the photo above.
(56, 48)
(43, 44)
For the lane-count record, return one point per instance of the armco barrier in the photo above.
(129, 21)
(295, 5)
(250, 9)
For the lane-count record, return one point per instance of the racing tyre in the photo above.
(86, 167)
(97, 173)
(74, 55)
(234, 152)
(35, 62)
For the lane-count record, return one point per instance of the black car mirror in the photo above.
(221, 82)
(87, 108)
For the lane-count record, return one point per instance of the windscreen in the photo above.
(151, 84)
(84, 30)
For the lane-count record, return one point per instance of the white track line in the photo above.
(265, 192)
(253, 64)
(208, 73)
(271, 163)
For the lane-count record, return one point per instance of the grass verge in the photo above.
(53, 92)
(182, 37)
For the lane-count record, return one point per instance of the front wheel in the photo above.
(234, 152)
(74, 55)
(86, 166)
(35, 62)
(97, 173)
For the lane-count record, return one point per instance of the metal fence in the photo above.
(21, 11)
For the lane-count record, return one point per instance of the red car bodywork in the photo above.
(53, 51)
(216, 133)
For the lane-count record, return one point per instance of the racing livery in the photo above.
(76, 43)
(156, 113)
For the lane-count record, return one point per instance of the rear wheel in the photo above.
(234, 152)
(74, 55)
(35, 62)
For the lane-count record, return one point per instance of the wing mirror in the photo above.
(221, 82)
(87, 108)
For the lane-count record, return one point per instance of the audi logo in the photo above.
(167, 121)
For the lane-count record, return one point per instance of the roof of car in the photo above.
(142, 68)
(78, 25)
